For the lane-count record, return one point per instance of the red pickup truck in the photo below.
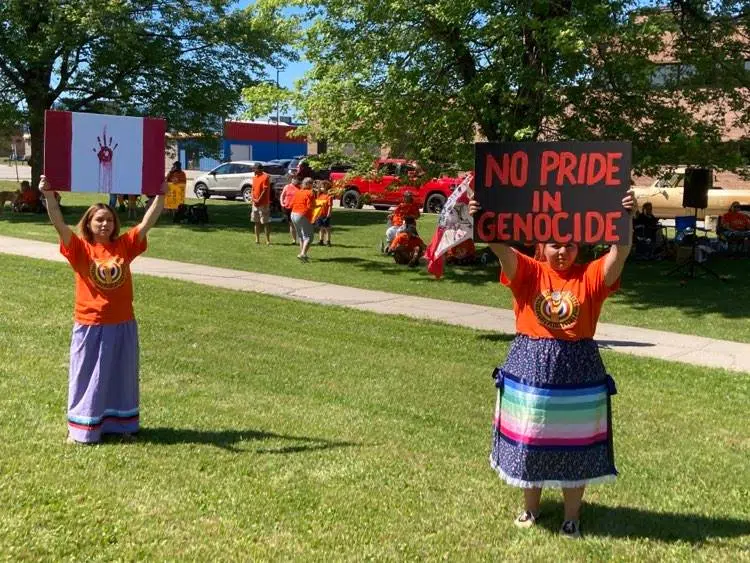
(391, 178)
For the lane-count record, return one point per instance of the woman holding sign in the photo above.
(552, 419)
(103, 395)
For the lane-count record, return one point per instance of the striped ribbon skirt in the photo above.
(553, 423)
(103, 381)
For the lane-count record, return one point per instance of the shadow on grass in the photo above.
(497, 337)
(608, 344)
(229, 439)
(626, 522)
(646, 285)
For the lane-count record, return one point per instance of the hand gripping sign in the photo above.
(89, 152)
(552, 192)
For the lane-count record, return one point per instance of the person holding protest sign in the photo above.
(103, 396)
(553, 420)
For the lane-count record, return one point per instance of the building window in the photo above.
(672, 74)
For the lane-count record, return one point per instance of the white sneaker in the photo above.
(526, 519)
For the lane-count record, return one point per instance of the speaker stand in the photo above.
(689, 265)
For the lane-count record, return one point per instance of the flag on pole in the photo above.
(455, 225)
(89, 152)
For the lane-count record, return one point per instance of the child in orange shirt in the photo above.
(396, 219)
(553, 412)
(103, 396)
(407, 248)
(324, 206)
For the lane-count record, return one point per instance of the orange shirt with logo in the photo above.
(261, 190)
(402, 211)
(409, 241)
(304, 203)
(736, 221)
(104, 287)
(562, 305)
(323, 206)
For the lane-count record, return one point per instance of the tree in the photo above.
(428, 78)
(185, 60)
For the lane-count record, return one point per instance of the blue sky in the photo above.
(293, 71)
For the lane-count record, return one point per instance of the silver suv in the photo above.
(231, 180)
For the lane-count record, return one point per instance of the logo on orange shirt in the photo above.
(109, 273)
(557, 309)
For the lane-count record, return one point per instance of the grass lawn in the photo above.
(289, 431)
(648, 298)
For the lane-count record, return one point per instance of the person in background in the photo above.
(29, 200)
(324, 206)
(176, 182)
(303, 205)
(304, 170)
(406, 208)
(735, 221)
(261, 210)
(286, 198)
(462, 254)
(407, 247)
(646, 224)
(735, 226)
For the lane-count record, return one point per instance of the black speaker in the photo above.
(697, 183)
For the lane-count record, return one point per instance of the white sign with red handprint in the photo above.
(87, 152)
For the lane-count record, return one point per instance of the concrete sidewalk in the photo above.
(694, 350)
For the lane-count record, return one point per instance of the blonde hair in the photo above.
(84, 228)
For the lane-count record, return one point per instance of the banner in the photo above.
(552, 192)
(175, 195)
(89, 152)
(455, 225)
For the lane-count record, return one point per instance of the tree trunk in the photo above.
(36, 129)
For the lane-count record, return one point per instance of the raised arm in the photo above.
(618, 254)
(53, 210)
(505, 254)
(152, 214)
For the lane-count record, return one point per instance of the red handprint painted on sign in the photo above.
(105, 155)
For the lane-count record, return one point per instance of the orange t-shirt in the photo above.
(177, 177)
(261, 189)
(324, 202)
(562, 305)
(409, 241)
(736, 221)
(30, 196)
(104, 287)
(402, 211)
(304, 203)
(466, 249)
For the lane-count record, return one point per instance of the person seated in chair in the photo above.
(396, 219)
(735, 225)
(407, 247)
(29, 200)
(647, 231)
(646, 224)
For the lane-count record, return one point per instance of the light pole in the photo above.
(277, 113)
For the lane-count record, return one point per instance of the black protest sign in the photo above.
(563, 192)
